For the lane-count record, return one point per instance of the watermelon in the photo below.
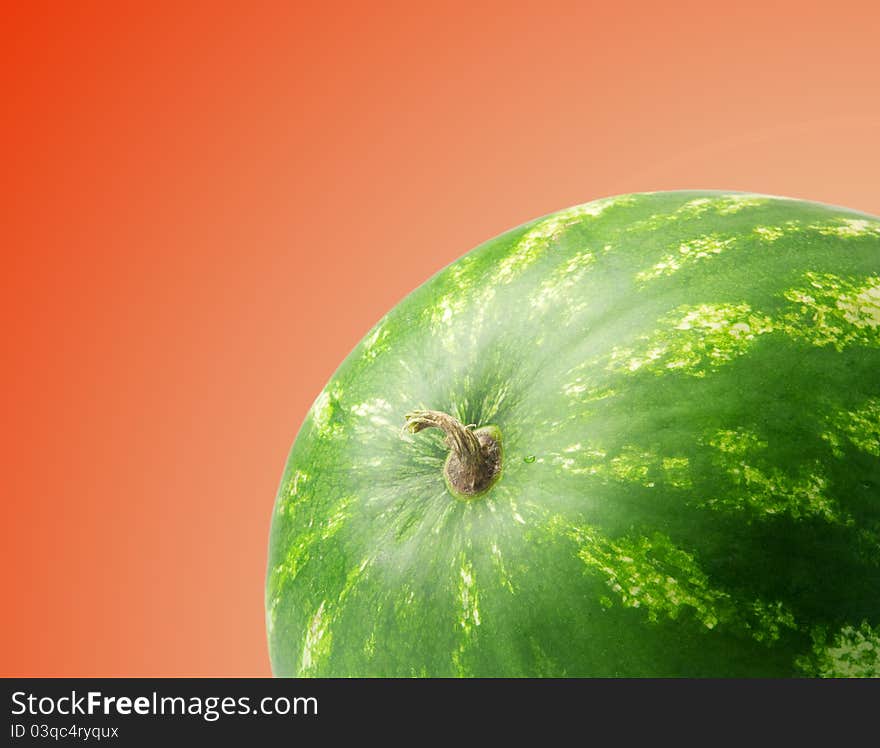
(637, 437)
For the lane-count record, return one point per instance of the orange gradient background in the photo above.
(205, 208)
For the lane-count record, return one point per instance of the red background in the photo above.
(205, 209)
